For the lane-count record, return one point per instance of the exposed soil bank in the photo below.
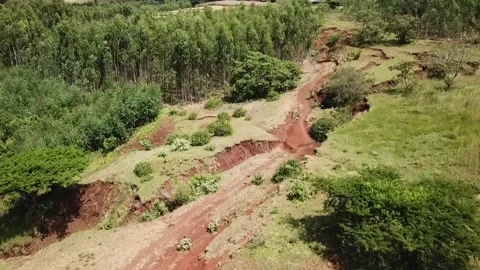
(159, 137)
(69, 210)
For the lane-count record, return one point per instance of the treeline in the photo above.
(187, 53)
(436, 17)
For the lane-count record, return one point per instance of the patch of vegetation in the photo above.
(162, 154)
(179, 145)
(405, 74)
(239, 112)
(159, 209)
(290, 169)
(257, 242)
(213, 103)
(345, 87)
(404, 27)
(272, 96)
(220, 128)
(185, 244)
(447, 62)
(248, 118)
(354, 55)
(332, 41)
(371, 33)
(320, 128)
(301, 191)
(117, 213)
(210, 148)
(224, 116)
(200, 138)
(259, 75)
(213, 226)
(192, 116)
(146, 178)
(142, 169)
(172, 137)
(34, 172)
(258, 179)
(175, 112)
(204, 184)
(146, 144)
(383, 220)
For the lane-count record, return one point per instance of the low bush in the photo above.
(332, 41)
(224, 116)
(146, 144)
(405, 27)
(142, 169)
(192, 116)
(220, 128)
(146, 178)
(204, 184)
(159, 209)
(210, 148)
(384, 221)
(320, 128)
(300, 191)
(291, 168)
(172, 137)
(258, 179)
(162, 154)
(183, 195)
(354, 55)
(200, 138)
(180, 145)
(185, 244)
(213, 103)
(346, 87)
(371, 33)
(239, 112)
(212, 226)
(272, 96)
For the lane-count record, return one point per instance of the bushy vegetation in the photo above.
(180, 144)
(159, 209)
(172, 137)
(384, 222)
(224, 116)
(371, 33)
(210, 148)
(239, 112)
(260, 75)
(204, 184)
(345, 87)
(354, 55)
(220, 128)
(291, 168)
(406, 74)
(143, 169)
(212, 226)
(146, 144)
(32, 173)
(192, 116)
(213, 103)
(404, 27)
(200, 138)
(258, 179)
(185, 244)
(320, 128)
(300, 191)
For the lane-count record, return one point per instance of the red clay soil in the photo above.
(72, 210)
(159, 137)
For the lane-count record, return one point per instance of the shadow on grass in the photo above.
(26, 221)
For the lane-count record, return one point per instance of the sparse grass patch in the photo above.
(239, 112)
(210, 148)
(248, 118)
(289, 169)
(258, 179)
(192, 116)
(142, 169)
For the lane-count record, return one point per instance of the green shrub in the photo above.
(404, 27)
(300, 191)
(147, 145)
(192, 116)
(272, 96)
(183, 195)
(174, 112)
(239, 112)
(383, 221)
(213, 103)
(34, 172)
(257, 179)
(159, 209)
(200, 138)
(172, 137)
(210, 148)
(260, 74)
(180, 145)
(248, 118)
(289, 169)
(224, 116)
(185, 244)
(212, 226)
(110, 143)
(162, 154)
(332, 41)
(204, 184)
(143, 169)
(345, 87)
(320, 128)
(146, 178)
(371, 33)
(220, 128)
(354, 55)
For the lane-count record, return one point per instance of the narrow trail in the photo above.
(232, 199)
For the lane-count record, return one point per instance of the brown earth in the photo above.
(74, 209)
(159, 137)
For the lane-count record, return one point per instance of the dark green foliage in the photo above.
(371, 33)
(300, 191)
(289, 169)
(345, 87)
(34, 172)
(239, 112)
(142, 169)
(204, 184)
(404, 27)
(385, 222)
(200, 138)
(224, 116)
(220, 128)
(259, 74)
(213, 103)
(320, 128)
(172, 137)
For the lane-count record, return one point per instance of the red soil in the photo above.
(159, 137)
